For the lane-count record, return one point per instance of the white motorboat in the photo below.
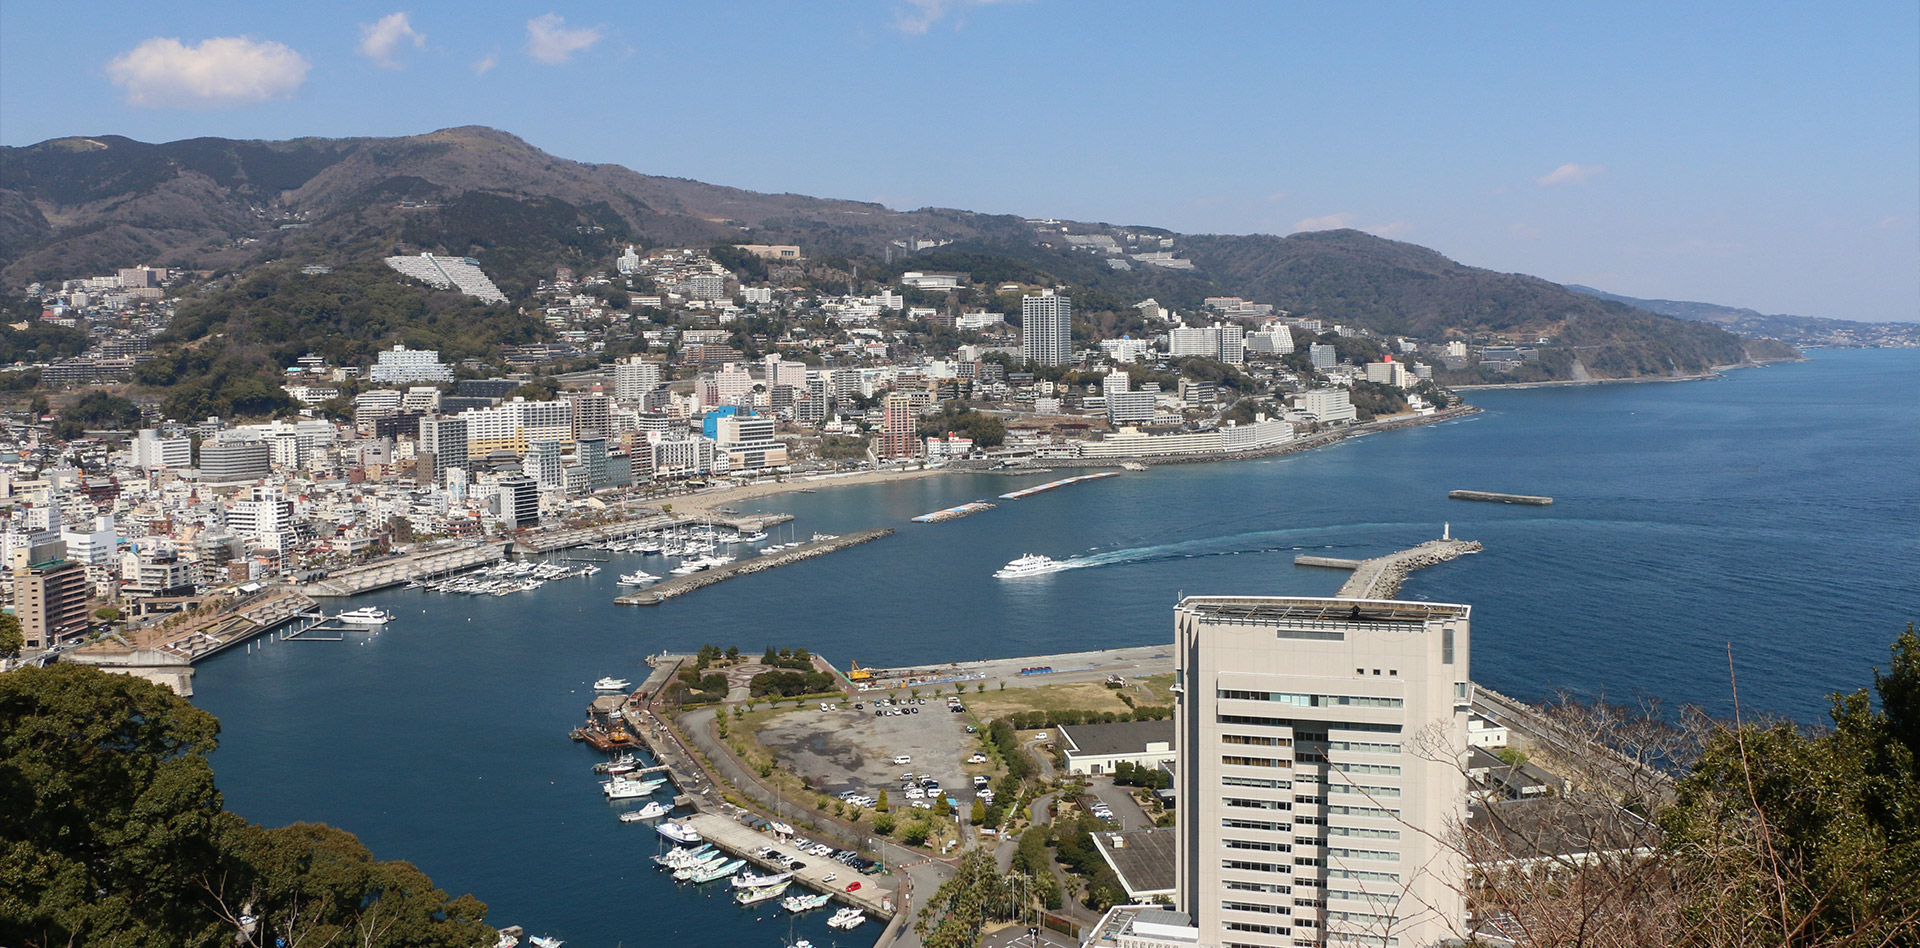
(750, 880)
(367, 616)
(677, 858)
(678, 833)
(652, 811)
(1032, 564)
(638, 578)
(545, 941)
(848, 918)
(763, 894)
(720, 871)
(623, 789)
(804, 903)
(611, 683)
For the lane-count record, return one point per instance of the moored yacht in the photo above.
(678, 833)
(611, 683)
(367, 616)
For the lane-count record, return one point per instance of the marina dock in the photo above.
(1496, 498)
(681, 585)
(1052, 485)
(740, 842)
(405, 569)
(954, 513)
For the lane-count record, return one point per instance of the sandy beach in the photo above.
(707, 501)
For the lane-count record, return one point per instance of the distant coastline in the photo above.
(1716, 372)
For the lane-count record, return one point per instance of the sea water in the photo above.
(1770, 516)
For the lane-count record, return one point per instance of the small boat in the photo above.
(652, 811)
(546, 941)
(367, 616)
(751, 880)
(678, 833)
(804, 903)
(611, 683)
(756, 896)
(676, 858)
(638, 578)
(848, 918)
(619, 765)
(720, 871)
(1032, 564)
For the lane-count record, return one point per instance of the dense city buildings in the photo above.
(1320, 770)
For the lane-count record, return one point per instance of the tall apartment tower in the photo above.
(1045, 329)
(899, 429)
(1320, 747)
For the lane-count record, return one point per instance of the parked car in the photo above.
(977, 759)
(853, 887)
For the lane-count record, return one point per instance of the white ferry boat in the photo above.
(1032, 564)
(367, 616)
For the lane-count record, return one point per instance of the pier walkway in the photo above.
(681, 585)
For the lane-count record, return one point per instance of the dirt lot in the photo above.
(854, 750)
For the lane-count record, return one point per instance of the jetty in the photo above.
(1497, 498)
(1052, 485)
(681, 585)
(954, 513)
(1380, 577)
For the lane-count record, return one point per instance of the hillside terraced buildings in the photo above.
(1320, 770)
(450, 273)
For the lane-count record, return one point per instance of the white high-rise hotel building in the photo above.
(1320, 746)
(1046, 329)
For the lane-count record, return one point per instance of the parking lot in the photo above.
(849, 749)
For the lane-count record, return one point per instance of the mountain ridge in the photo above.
(82, 204)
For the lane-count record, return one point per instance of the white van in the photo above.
(902, 759)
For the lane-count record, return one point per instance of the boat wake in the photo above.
(1241, 544)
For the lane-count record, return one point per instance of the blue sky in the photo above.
(1732, 153)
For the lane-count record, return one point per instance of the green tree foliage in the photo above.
(1035, 859)
(987, 431)
(97, 410)
(115, 834)
(40, 341)
(1128, 774)
(958, 912)
(11, 640)
(916, 832)
(1810, 839)
(1371, 399)
(1028, 720)
(790, 683)
(884, 824)
(1073, 846)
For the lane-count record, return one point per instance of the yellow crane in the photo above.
(859, 674)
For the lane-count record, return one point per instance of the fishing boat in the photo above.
(676, 858)
(766, 893)
(678, 833)
(611, 683)
(619, 765)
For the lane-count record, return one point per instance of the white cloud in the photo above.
(485, 64)
(1390, 231)
(379, 40)
(223, 70)
(1568, 175)
(1329, 222)
(919, 16)
(549, 40)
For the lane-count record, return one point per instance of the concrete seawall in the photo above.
(681, 585)
(1380, 578)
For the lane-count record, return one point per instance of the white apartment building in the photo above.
(1046, 328)
(264, 519)
(1224, 342)
(1388, 373)
(1320, 770)
(634, 378)
(151, 452)
(1322, 356)
(1327, 405)
(978, 321)
(512, 426)
(450, 273)
(401, 364)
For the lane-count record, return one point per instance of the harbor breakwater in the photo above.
(1380, 578)
(681, 585)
